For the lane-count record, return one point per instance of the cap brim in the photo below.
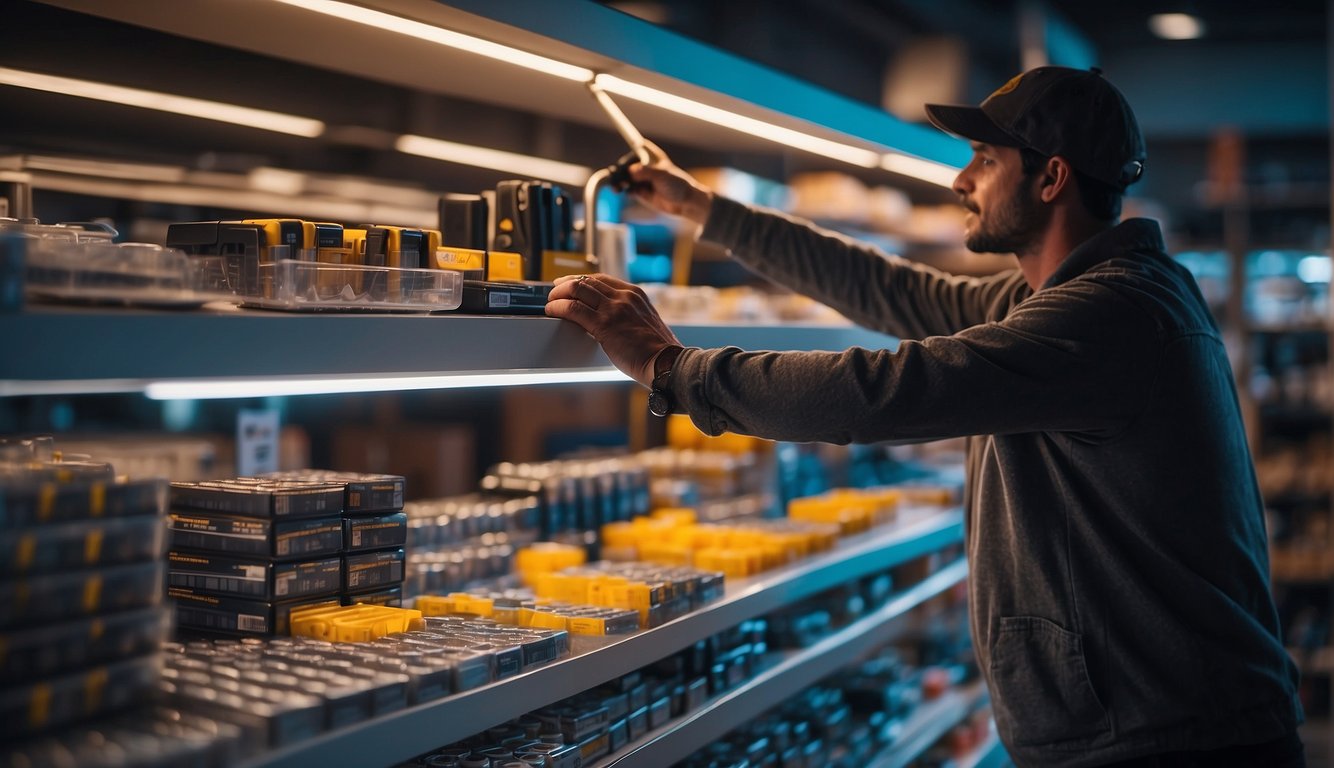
(969, 123)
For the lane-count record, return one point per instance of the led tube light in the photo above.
(482, 157)
(916, 167)
(434, 34)
(165, 102)
(271, 387)
(776, 133)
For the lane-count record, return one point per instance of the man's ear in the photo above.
(1058, 178)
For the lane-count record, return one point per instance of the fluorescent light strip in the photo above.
(165, 102)
(271, 387)
(434, 34)
(916, 167)
(795, 139)
(482, 157)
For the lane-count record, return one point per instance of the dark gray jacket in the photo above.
(1118, 568)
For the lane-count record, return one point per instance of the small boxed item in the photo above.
(58, 701)
(252, 579)
(110, 541)
(259, 537)
(375, 531)
(53, 649)
(235, 616)
(369, 571)
(26, 500)
(260, 498)
(37, 599)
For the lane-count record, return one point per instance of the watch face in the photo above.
(658, 403)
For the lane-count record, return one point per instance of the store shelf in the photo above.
(63, 350)
(793, 672)
(989, 754)
(574, 32)
(929, 722)
(419, 729)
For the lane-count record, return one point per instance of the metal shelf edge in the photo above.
(797, 670)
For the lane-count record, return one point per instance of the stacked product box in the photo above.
(374, 533)
(81, 564)
(245, 552)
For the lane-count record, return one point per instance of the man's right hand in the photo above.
(664, 186)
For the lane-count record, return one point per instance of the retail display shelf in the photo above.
(572, 32)
(71, 350)
(930, 721)
(419, 729)
(789, 675)
(989, 754)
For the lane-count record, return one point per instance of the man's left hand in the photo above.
(618, 316)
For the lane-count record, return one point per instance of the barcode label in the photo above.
(498, 299)
(246, 623)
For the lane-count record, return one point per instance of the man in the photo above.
(1120, 601)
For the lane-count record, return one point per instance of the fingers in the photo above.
(574, 311)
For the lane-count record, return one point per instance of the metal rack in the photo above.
(419, 729)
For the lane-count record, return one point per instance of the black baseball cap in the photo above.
(1074, 113)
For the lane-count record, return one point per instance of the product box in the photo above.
(260, 498)
(372, 570)
(37, 599)
(377, 531)
(259, 537)
(54, 649)
(252, 579)
(26, 502)
(236, 616)
(54, 702)
(81, 544)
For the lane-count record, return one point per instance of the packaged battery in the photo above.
(55, 702)
(304, 239)
(112, 541)
(72, 594)
(45, 651)
(347, 700)
(260, 498)
(250, 578)
(470, 261)
(494, 297)
(637, 722)
(242, 247)
(463, 221)
(618, 734)
(372, 570)
(236, 616)
(26, 502)
(302, 538)
(362, 492)
(381, 531)
(392, 597)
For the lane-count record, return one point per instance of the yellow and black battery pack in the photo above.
(561, 263)
(304, 238)
(252, 578)
(241, 246)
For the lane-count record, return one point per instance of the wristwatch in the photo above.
(660, 402)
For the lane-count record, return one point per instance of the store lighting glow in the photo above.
(768, 131)
(434, 34)
(1176, 26)
(164, 102)
(1314, 269)
(916, 167)
(482, 157)
(280, 387)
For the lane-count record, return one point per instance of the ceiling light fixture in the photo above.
(916, 167)
(434, 34)
(273, 387)
(483, 157)
(165, 102)
(1176, 26)
(776, 133)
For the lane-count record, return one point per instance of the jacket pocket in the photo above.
(1040, 687)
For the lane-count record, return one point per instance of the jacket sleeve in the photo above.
(1074, 358)
(873, 289)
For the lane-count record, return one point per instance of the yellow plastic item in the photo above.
(353, 623)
